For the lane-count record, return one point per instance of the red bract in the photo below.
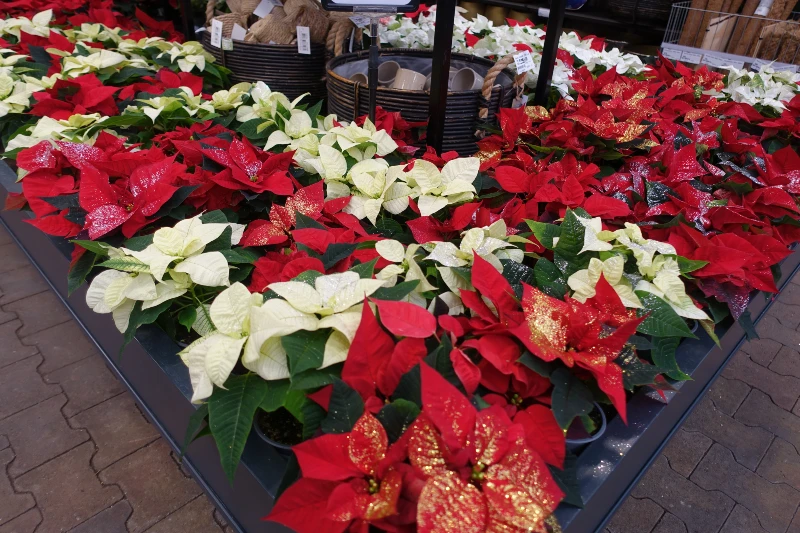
(250, 168)
(82, 95)
(307, 201)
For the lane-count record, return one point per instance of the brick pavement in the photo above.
(77, 455)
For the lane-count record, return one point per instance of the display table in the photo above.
(607, 469)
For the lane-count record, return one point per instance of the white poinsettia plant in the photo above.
(767, 87)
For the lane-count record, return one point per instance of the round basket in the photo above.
(280, 66)
(349, 100)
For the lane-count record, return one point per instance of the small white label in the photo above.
(524, 62)
(736, 64)
(758, 63)
(692, 57)
(520, 102)
(360, 21)
(763, 8)
(216, 33)
(227, 44)
(714, 61)
(303, 40)
(238, 33)
(544, 12)
(264, 8)
(671, 53)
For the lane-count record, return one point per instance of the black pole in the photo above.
(442, 49)
(187, 20)
(373, 63)
(554, 24)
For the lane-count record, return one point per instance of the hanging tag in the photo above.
(216, 33)
(238, 33)
(227, 44)
(360, 21)
(520, 102)
(524, 62)
(264, 8)
(303, 40)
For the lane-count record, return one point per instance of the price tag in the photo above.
(264, 8)
(216, 33)
(520, 102)
(692, 57)
(303, 40)
(227, 44)
(736, 64)
(238, 33)
(360, 21)
(671, 53)
(715, 61)
(777, 67)
(543, 12)
(524, 62)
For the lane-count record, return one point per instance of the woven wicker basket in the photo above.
(350, 100)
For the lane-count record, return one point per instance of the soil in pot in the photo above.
(586, 426)
(280, 427)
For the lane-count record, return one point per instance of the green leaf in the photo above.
(294, 402)
(95, 247)
(230, 417)
(544, 233)
(186, 317)
(543, 368)
(549, 279)
(397, 416)
(313, 379)
(566, 253)
(79, 270)
(303, 222)
(177, 199)
(662, 321)
(663, 354)
(690, 265)
(313, 416)
(567, 480)
(305, 350)
(250, 129)
(137, 244)
(314, 112)
(336, 252)
(746, 321)
(139, 318)
(275, 395)
(365, 270)
(344, 409)
(410, 387)
(388, 228)
(196, 422)
(240, 255)
(635, 372)
(516, 274)
(126, 264)
(223, 242)
(398, 292)
(439, 360)
(214, 217)
(570, 398)
(308, 277)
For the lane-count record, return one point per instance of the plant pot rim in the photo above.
(283, 448)
(591, 438)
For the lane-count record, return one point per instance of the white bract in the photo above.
(583, 282)
(266, 104)
(491, 243)
(768, 87)
(38, 25)
(404, 263)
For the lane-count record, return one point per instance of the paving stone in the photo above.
(12, 503)
(635, 515)
(4, 442)
(38, 312)
(86, 383)
(749, 444)
(152, 483)
(790, 294)
(685, 450)
(702, 511)
(784, 390)
(796, 409)
(5, 236)
(771, 328)
(762, 351)
(61, 345)
(220, 520)
(67, 490)
(742, 520)
(787, 362)
(13, 258)
(774, 504)
(794, 527)
(13, 350)
(39, 434)
(670, 524)
(196, 516)
(111, 520)
(21, 386)
(728, 394)
(21, 283)
(7, 316)
(781, 464)
(117, 427)
(26, 523)
(758, 410)
(788, 315)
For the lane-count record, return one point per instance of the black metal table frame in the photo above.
(159, 382)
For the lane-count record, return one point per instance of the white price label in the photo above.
(227, 44)
(691, 57)
(714, 61)
(520, 102)
(543, 12)
(736, 64)
(758, 63)
(783, 66)
(671, 53)
(216, 33)
(303, 40)
(360, 21)
(238, 33)
(264, 8)
(524, 62)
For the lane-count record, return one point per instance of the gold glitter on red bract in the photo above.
(450, 505)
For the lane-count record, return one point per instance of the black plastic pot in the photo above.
(576, 444)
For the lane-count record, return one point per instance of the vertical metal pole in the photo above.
(187, 20)
(554, 24)
(442, 49)
(373, 63)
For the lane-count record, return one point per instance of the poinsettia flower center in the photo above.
(477, 474)
(254, 178)
(374, 485)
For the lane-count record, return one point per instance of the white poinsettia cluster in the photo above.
(38, 25)
(15, 94)
(766, 88)
(76, 128)
(490, 243)
(249, 327)
(93, 33)
(266, 105)
(194, 105)
(164, 270)
(658, 270)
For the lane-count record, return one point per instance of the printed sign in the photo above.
(524, 62)
(303, 40)
(216, 33)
